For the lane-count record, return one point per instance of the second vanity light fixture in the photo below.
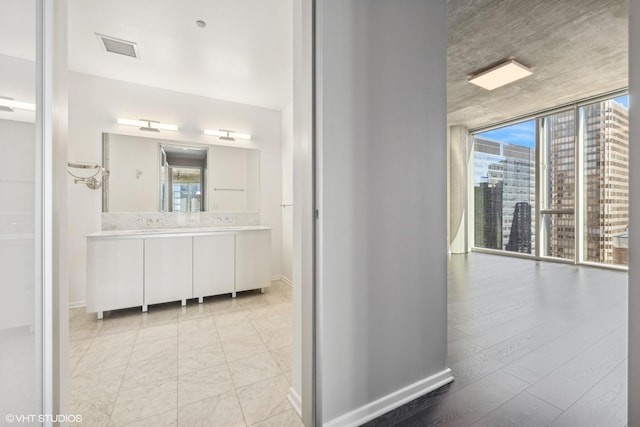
(227, 135)
(148, 125)
(9, 104)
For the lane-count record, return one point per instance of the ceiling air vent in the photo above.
(119, 46)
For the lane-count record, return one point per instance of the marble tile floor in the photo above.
(18, 360)
(226, 362)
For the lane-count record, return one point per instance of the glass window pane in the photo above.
(558, 185)
(559, 160)
(187, 189)
(605, 145)
(558, 236)
(504, 188)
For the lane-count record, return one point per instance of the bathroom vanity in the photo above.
(131, 268)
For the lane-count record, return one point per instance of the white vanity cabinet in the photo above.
(17, 289)
(253, 268)
(213, 264)
(138, 268)
(115, 268)
(168, 269)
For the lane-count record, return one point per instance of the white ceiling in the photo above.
(244, 54)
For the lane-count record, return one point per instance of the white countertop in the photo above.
(162, 232)
(17, 236)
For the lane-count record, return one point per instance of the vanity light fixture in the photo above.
(500, 75)
(227, 135)
(148, 125)
(9, 104)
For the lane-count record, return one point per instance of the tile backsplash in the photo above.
(155, 220)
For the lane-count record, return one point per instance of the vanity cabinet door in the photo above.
(167, 269)
(253, 260)
(17, 289)
(114, 274)
(213, 264)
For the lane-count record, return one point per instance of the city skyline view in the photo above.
(524, 133)
(504, 177)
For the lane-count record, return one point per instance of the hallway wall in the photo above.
(381, 162)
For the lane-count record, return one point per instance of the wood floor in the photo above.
(531, 344)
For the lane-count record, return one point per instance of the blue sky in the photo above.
(624, 100)
(524, 133)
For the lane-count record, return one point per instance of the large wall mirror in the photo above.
(155, 175)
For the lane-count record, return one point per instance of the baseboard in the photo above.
(391, 401)
(283, 279)
(77, 304)
(295, 400)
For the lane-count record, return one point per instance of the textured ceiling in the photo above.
(575, 48)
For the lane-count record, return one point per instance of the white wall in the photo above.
(287, 192)
(381, 151)
(94, 105)
(634, 244)
(302, 392)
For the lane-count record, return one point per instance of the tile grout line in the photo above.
(122, 379)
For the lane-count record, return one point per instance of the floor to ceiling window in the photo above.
(556, 185)
(504, 188)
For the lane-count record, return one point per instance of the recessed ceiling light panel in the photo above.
(119, 46)
(500, 75)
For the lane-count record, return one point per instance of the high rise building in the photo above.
(511, 168)
(488, 215)
(605, 136)
(558, 184)
(519, 185)
(606, 175)
(520, 235)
